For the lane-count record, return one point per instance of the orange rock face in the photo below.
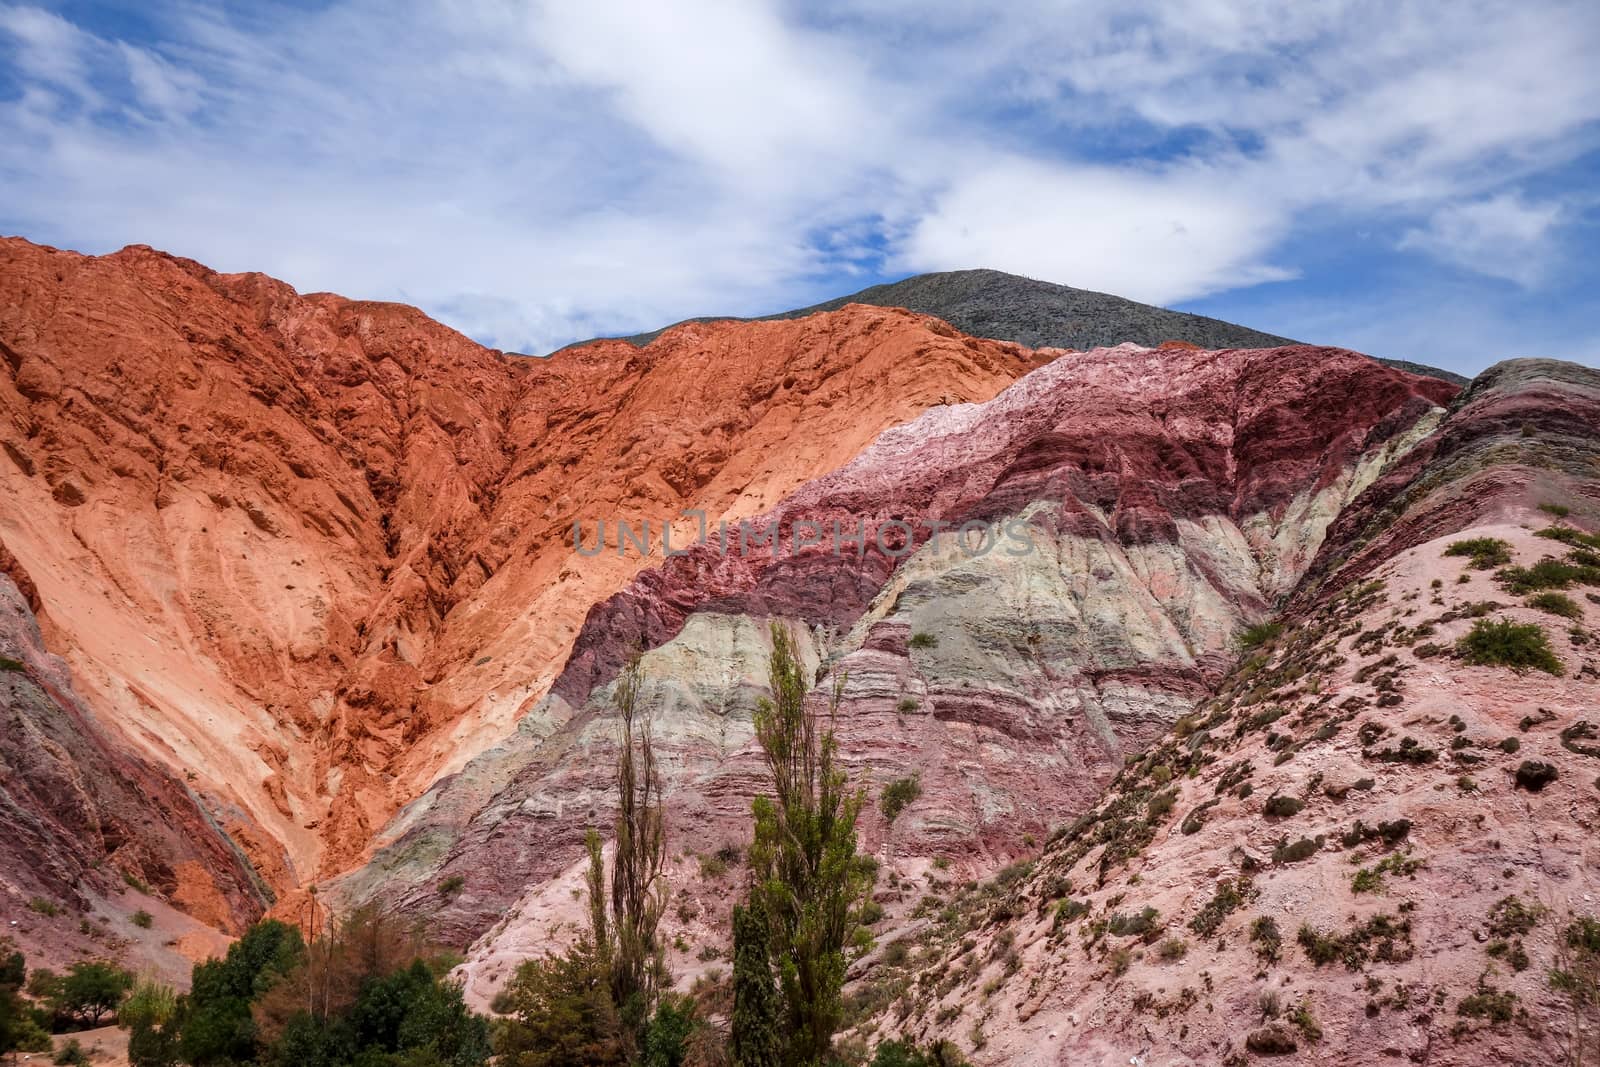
(310, 553)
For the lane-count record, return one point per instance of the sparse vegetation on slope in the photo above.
(1503, 643)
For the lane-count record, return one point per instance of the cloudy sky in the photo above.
(1413, 178)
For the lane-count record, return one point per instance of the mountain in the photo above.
(1142, 506)
(309, 553)
(1365, 844)
(1212, 749)
(991, 303)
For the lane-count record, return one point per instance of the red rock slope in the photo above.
(1369, 845)
(307, 552)
(1171, 496)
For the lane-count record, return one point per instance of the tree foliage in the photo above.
(561, 1012)
(601, 1001)
(219, 1028)
(805, 871)
(755, 993)
(92, 990)
(638, 894)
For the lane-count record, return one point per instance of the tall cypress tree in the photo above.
(806, 873)
(755, 994)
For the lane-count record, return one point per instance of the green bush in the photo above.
(898, 795)
(1560, 511)
(452, 885)
(1489, 1003)
(923, 639)
(1259, 634)
(1485, 552)
(71, 1053)
(142, 919)
(9, 664)
(1556, 604)
(1503, 643)
(905, 1053)
(1264, 935)
(1569, 536)
(1143, 924)
(1548, 573)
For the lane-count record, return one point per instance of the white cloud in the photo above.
(1502, 236)
(1158, 238)
(535, 172)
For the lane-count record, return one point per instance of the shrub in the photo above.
(1301, 1016)
(1503, 643)
(898, 795)
(1259, 634)
(1174, 948)
(1302, 849)
(923, 639)
(1510, 744)
(1556, 604)
(1265, 937)
(1569, 536)
(1489, 1003)
(1069, 910)
(9, 664)
(1485, 552)
(1381, 937)
(71, 1053)
(1534, 775)
(452, 885)
(1012, 873)
(1140, 925)
(1281, 807)
(1513, 917)
(1560, 511)
(1548, 573)
(907, 705)
(1161, 805)
(142, 919)
(1228, 898)
(48, 908)
(1366, 880)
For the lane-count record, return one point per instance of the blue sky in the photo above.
(1412, 179)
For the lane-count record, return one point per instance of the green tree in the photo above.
(638, 894)
(219, 1028)
(755, 993)
(907, 1054)
(151, 1015)
(666, 1039)
(13, 973)
(92, 990)
(806, 872)
(561, 1013)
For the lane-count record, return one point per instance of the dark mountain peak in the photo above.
(990, 303)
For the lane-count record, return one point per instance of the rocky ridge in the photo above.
(308, 553)
(1366, 845)
(1171, 496)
